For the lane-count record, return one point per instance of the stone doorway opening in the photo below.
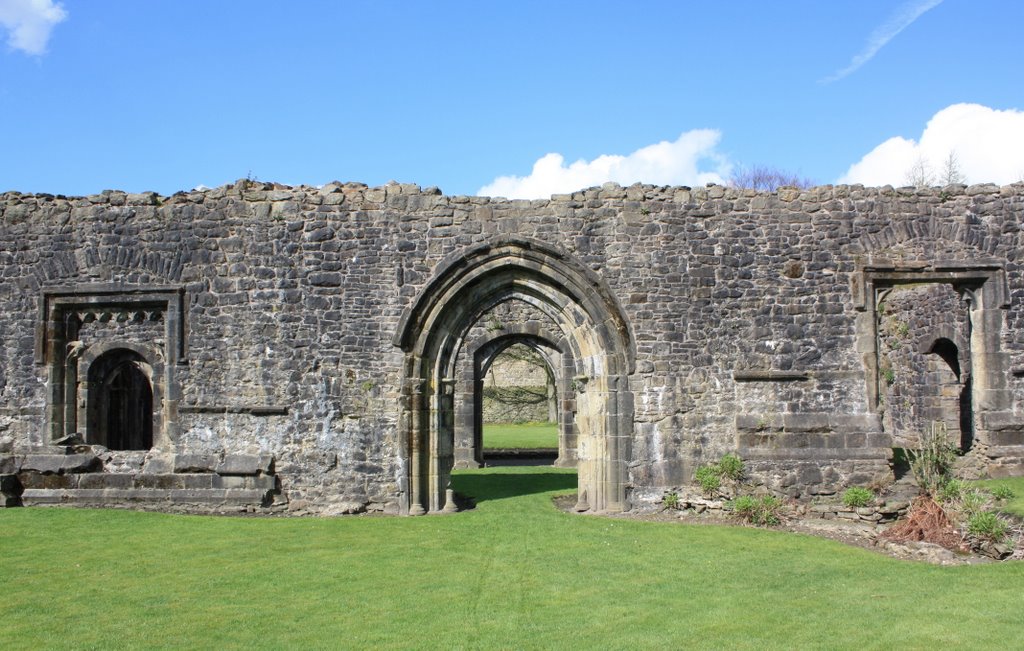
(120, 401)
(487, 388)
(924, 357)
(597, 360)
(516, 404)
(931, 342)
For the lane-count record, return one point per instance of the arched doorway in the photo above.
(508, 324)
(120, 401)
(587, 315)
(550, 400)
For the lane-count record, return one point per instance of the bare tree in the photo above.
(765, 179)
(921, 174)
(951, 171)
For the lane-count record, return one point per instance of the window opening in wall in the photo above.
(518, 405)
(121, 401)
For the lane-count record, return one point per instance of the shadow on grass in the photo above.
(481, 486)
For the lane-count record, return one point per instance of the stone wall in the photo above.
(752, 318)
(516, 388)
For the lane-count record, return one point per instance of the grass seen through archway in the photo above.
(512, 573)
(520, 435)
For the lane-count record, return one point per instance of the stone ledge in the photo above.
(257, 410)
(128, 481)
(809, 422)
(770, 376)
(815, 454)
(112, 496)
(60, 463)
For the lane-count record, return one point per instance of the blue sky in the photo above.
(470, 96)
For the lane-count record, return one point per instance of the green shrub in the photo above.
(987, 526)
(1002, 493)
(950, 491)
(760, 511)
(933, 461)
(855, 496)
(744, 507)
(768, 511)
(731, 467)
(971, 502)
(671, 501)
(709, 479)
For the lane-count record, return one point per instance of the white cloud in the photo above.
(899, 21)
(664, 163)
(988, 145)
(29, 23)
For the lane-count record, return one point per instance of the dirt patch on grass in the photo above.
(856, 534)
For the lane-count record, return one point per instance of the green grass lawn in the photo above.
(514, 573)
(520, 435)
(1015, 504)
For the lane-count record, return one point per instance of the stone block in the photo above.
(74, 463)
(45, 463)
(1006, 437)
(105, 480)
(1001, 421)
(9, 464)
(855, 422)
(230, 481)
(197, 480)
(158, 465)
(756, 440)
(188, 463)
(809, 475)
(48, 481)
(210, 496)
(245, 464)
(855, 439)
(879, 440)
(42, 496)
(162, 481)
(254, 496)
(806, 422)
(795, 440)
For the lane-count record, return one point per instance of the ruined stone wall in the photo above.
(516, 388)
(747, 312)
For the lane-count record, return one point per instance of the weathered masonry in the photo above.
(323, 349)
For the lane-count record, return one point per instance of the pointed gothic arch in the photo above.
(559, 365)
(433, 330)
